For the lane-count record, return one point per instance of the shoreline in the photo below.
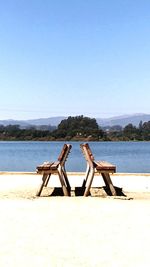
(26, 184)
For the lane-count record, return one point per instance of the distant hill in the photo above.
(54, 121)
(124, 120)
(14, 122)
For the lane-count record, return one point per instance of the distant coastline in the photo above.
(121, 120)
(78, 128)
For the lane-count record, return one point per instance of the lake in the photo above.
(25, 156)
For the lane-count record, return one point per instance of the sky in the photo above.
(74, 57)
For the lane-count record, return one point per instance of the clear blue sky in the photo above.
(73, 57)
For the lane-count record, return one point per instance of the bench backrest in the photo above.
(88, 154)
(64, 154)
(98, 165)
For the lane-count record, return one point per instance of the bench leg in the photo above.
(86, 176)
(108, 182)
(47, 180)
(66, 180)
(62, 181)
(44, 179)
(89, 181)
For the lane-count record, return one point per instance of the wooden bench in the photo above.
(102, 167)
(57, 167)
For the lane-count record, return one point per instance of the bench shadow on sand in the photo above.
(79, 191)
(99, 191)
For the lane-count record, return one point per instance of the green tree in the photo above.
(130, 132)
(146, 131)
(79, 126)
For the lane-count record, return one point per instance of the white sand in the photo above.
(74, 231)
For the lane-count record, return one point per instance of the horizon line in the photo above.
(66, 116)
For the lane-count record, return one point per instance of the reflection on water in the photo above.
(25, 156)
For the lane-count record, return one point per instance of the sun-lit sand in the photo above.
(74, 231)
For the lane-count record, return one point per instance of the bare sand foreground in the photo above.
(74, 231)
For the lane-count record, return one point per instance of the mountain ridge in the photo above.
(121, 120)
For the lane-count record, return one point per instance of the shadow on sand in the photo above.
(99, 191)
(79, 191)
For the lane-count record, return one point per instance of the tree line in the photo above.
(77, 128)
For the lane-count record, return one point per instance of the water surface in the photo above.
(25, 156)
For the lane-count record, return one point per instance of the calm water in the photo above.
(25, 156)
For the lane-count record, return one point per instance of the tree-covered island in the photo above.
(78, 128)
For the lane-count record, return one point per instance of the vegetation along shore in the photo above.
(78, 128)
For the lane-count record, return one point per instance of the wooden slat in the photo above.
(62, 153)
(44, 166)
(55, 165)
(104, 165)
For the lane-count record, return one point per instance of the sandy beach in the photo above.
(74, 231)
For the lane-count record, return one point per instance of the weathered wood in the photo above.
(63, 183)
(57, 167)
(89, 181)
(44, 181)
(44, 167)
(102, 167)
(86, 176)
(108, 182)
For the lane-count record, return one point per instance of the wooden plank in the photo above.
(44, 166)
(104, 165)
(108, 182)
(62, 153)
(44, 181)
